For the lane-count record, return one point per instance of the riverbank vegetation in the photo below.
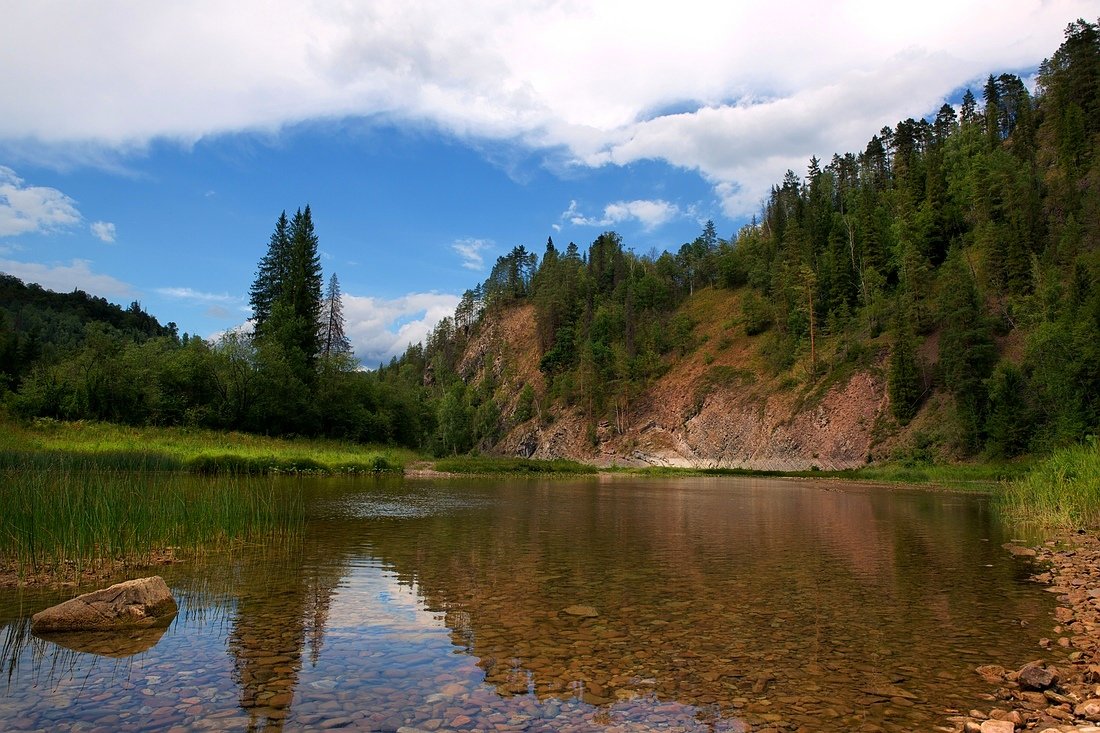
(107, 446)
(1062, 491)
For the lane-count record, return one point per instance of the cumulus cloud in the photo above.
(29, 209)
(64, 278)
(470, 250)
(104, 231)
(380, 328)
(591, 82)
(649, 213)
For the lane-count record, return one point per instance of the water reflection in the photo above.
(715, 605)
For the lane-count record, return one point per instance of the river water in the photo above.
(608, 604)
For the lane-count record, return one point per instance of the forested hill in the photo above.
(945, 275)
(35, 322)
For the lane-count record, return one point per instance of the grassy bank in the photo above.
(1061, 491)
(122, 448)
(61, 518)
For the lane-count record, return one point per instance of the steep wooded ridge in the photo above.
(934, 295)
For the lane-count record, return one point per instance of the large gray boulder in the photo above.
(137, 603)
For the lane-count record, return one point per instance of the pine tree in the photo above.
(334, 340)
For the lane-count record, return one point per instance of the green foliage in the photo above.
(1063, 490)
(905, 384)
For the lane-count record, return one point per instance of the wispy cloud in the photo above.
(650, 213)
(30, 209)
(470, 250)
(198, 296)
(104, 231)
(64, 278)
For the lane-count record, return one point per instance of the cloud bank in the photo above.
(62, 278)
(735, 91)
(380, 328)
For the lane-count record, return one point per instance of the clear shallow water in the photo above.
(722, 605)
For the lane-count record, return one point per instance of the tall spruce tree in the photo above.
(271, 274)
(286, 295)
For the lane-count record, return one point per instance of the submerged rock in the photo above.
(581, 611)
(143, 602)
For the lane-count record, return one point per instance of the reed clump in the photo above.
(62, 515)
(1061, 491)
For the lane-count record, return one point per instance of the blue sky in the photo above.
(147, 149)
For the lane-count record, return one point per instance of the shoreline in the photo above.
(1062, 696)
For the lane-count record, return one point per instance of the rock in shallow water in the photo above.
(143, 602)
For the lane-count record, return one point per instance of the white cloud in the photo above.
(197, 296)
(29, 209)
(64, 278)
(104, 231)
(380, 328)
(470, 250)
(588, 81)
(649, 213)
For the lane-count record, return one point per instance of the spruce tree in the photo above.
(271, 274)
(298, 303)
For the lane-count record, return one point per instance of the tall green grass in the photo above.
(1061, 491)
(120, 447)
(64, 516)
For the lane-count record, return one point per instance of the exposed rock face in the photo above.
(706, 411)
(135, 603)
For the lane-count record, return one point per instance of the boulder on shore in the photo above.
(139, 603)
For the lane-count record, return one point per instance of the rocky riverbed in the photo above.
(1045, 696)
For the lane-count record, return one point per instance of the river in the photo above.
(610, 603)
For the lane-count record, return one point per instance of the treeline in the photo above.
(80, 358)
(965, 243)
(37, 324)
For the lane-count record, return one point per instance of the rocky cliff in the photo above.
(719, 405)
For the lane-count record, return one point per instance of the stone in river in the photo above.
(135, 603)
(1089, 709)
(1034, 676)
(581, 611)
(997, 726)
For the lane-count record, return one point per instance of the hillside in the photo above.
(715, 407)
(934, 296)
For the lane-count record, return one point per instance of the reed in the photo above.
(65, 516)
(1062, 491)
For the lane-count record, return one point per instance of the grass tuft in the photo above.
(1061, 491)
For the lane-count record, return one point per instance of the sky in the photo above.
(147, 149)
